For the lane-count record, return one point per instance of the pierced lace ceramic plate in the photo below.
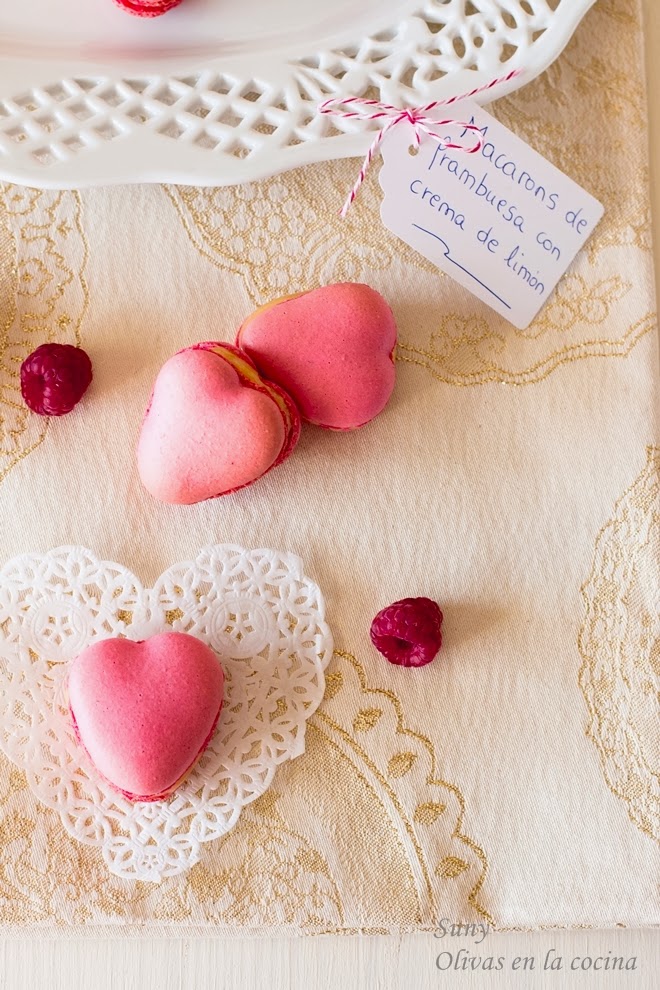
(255, 608)
(224, 91)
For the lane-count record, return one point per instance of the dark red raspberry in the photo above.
(408, 632)
(54, 378)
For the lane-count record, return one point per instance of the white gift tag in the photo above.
(503, 221)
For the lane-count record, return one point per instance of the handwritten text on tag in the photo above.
(503, 222)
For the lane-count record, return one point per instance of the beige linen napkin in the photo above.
(512, 478)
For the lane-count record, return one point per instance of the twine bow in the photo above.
(417, 117)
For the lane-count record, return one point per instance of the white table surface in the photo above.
(375, 963)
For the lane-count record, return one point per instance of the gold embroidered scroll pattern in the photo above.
(367, 792)
(467, 350)
(274, 877)
(284, 234)
(43, 254)
(561, 113)
(619, 644)
(47, 875)
(367, 724)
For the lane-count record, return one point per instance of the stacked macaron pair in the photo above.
(221, 415)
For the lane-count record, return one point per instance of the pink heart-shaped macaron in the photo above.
(145, 712)
(213, 426)
(332, 349)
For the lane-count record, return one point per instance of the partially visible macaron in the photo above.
(213, 425)
(331, 349)
(148, 8)
(145, 712)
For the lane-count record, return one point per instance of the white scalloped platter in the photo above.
(223, 91)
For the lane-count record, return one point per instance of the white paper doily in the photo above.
(218, 93)
(255, 608)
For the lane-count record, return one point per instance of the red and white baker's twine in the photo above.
(415, 116)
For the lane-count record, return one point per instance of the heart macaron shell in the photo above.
(213, 426)
(331, 349)
(145, 711)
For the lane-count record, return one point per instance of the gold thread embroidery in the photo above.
(376, 796)
(366, 718)
(47, 298)
(70, 885)
(279, 879)
(334, 682)
(284, 234)
(429, 812)
(400, 764)
(463, 352)
(431, 779)
(618, 644)
(451, 867)
(606, 90)
(384, 783)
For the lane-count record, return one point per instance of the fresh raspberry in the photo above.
(54, 378)
(148, 8)
(408, 632)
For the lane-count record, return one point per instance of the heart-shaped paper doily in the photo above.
(255, 608)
